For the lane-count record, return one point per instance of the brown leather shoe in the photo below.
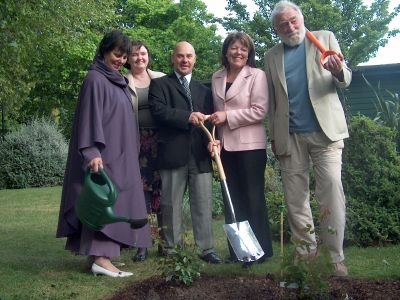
(340, 270)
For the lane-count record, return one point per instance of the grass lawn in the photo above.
(34, 264)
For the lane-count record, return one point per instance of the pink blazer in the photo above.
(245, 104)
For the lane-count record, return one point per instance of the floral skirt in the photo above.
(147, 159)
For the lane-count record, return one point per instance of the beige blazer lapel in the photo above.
(238, 83)
(279, 65)
(132, 89)
(311, 52)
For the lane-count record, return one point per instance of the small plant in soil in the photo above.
(181, 265)
(309, 273)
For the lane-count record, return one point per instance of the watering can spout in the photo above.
(110, 218)
(94, 207)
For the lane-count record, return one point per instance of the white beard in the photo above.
(295, 39)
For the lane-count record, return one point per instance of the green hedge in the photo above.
(371, 180)
(371, 225)
(371, 165)
(33, 156)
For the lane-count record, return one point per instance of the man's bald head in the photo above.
(183, 58)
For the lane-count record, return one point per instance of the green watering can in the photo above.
(94, 207)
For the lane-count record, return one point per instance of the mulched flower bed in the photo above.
(207, 287)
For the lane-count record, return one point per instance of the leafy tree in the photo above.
(163, 23)
(361, 30)
(45, 48)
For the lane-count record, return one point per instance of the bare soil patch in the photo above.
(211, 287)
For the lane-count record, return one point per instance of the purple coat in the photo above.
(104, 119)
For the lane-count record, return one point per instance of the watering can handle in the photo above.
(108, 181)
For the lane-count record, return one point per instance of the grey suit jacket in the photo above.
(321, 87)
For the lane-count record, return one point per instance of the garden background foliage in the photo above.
(33, 156)
(371, 179)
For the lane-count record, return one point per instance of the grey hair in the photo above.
(282, 6)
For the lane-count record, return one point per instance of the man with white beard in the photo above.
(307, 127)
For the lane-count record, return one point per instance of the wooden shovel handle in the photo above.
(217, 158)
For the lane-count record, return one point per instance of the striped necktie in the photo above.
(187, 91)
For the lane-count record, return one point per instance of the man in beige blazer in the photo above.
(307, 126)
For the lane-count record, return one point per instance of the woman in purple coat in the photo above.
(105, 135)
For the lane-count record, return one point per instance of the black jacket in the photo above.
(177, 138)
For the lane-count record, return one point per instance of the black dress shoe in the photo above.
(232, 260)
(211, 258)
(247, 264)
(140, 256)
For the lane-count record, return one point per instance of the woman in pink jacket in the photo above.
(240, 95)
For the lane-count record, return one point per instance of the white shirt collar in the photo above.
(188, 77)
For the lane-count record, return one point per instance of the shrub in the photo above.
(273, 181)
(371, 165)
(369, 225)
(33, 156)
(371, 176)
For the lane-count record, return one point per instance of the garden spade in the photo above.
(240, 235)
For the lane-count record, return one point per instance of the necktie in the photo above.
(187, 91)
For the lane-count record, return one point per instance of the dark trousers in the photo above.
(244, 172)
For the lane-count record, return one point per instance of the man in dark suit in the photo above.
(179, 104)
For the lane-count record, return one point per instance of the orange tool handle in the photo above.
(325, 53)
(315, 41)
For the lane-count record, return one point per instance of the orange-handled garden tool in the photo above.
(324, 51)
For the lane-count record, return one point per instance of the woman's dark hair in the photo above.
(114, 40)
(136, 45)
(244, 39)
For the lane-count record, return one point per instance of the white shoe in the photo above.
(97, 270)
